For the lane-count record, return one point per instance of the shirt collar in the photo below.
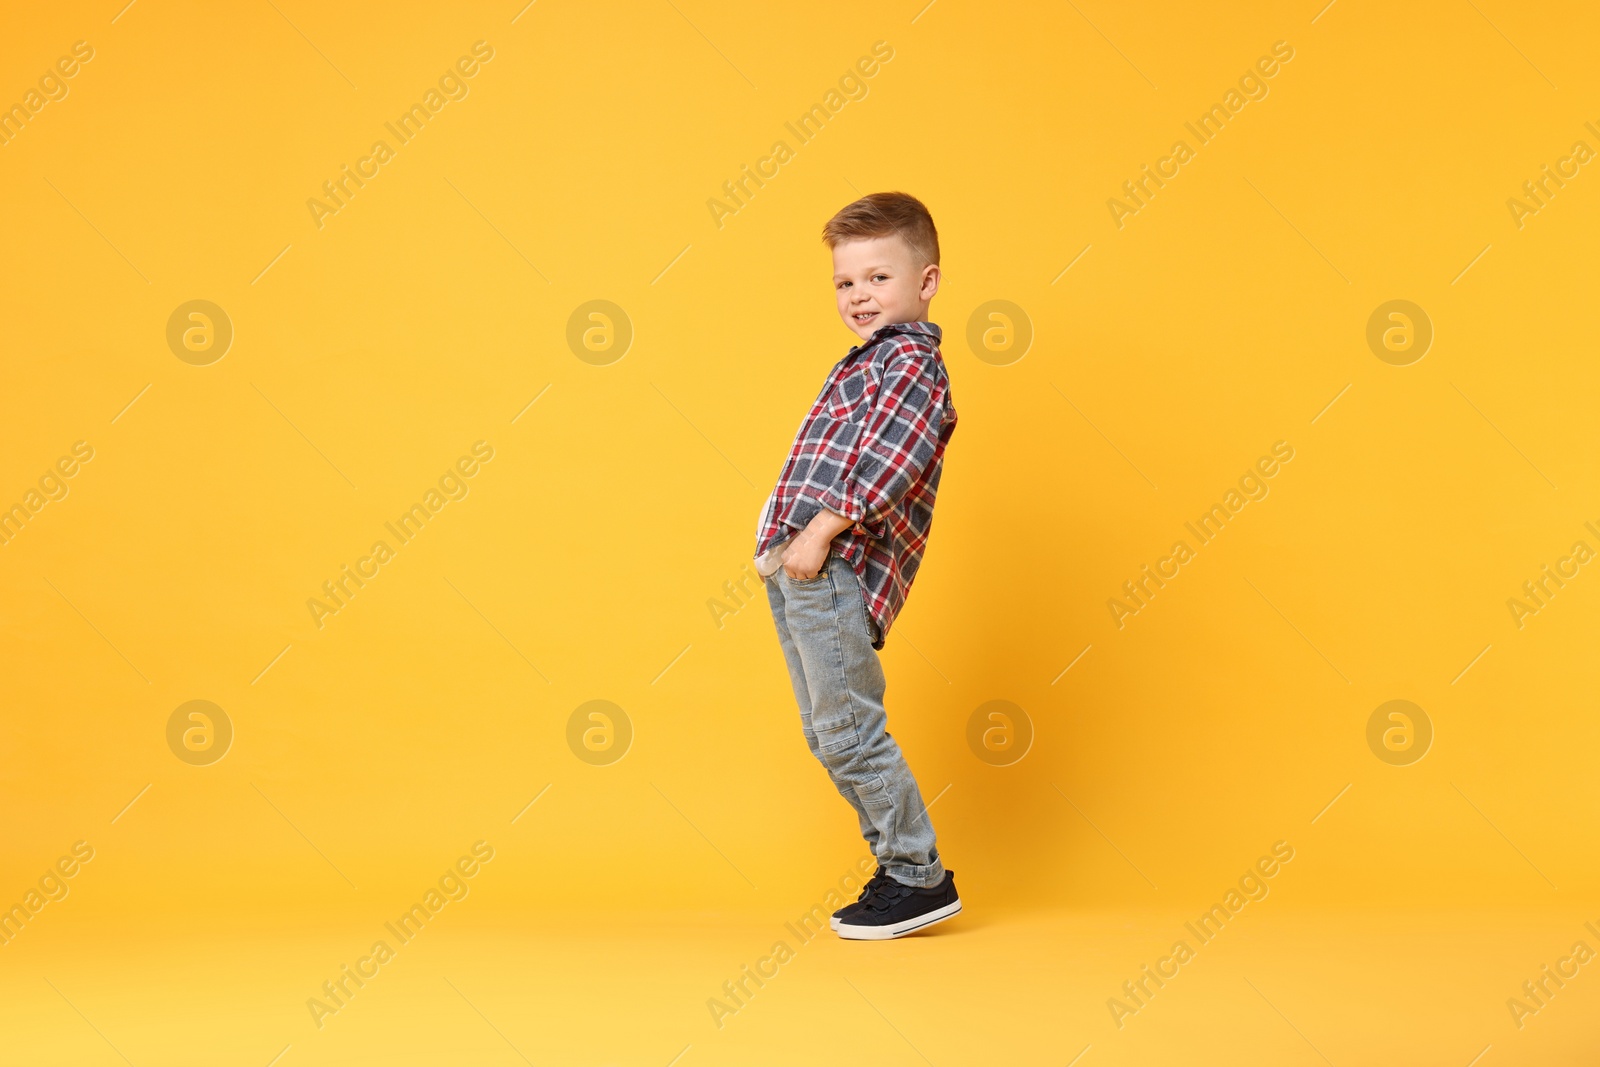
(883, 333)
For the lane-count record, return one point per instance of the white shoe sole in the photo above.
(899, 929)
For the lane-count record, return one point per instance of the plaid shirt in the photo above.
(872, 449)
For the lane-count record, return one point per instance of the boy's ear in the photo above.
(930, 281)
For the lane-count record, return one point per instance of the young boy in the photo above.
(841, 538)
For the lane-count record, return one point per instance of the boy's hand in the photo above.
(809, 550)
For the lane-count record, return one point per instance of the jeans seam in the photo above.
(838, 665)
(893, 837)
(861, 596)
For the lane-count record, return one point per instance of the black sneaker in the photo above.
(896, 910)
(867, 890)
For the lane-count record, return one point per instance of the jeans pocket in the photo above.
(835, 735)
(815, 579)
(873, 792)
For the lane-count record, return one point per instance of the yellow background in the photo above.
(372, 352)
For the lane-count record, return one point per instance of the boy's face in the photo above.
(880, 281)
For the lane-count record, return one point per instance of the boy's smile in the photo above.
(880, 281)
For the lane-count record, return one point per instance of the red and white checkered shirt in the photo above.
(872, 449)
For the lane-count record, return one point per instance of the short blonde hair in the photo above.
(882, 214)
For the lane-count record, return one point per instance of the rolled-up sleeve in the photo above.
(898, 442)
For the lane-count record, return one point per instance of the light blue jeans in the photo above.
(827, 636)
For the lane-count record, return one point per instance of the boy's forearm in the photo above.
(826, 525)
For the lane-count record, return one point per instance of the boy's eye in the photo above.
(880, 277)
(844, 285)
